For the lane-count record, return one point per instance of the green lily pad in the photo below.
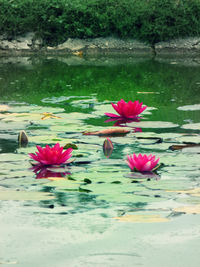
(191, 126)
(142, 218)
(190, 107)
(45, 139)
(153, 124)
(24, 195)
(70, 145)
(63, 184)
(192, 150)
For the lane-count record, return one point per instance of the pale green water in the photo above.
(71, 221)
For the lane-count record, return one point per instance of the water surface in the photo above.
(96, 210)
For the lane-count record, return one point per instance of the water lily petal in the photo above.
(51, 155)
(141, 162)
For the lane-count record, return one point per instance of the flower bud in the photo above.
(107, 147)
(23, 139)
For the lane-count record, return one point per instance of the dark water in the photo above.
(95, 210)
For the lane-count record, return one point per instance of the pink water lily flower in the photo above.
(51, 155)
(142, 163)
(129, 110)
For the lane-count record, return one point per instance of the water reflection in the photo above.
(122, 122)
(8, 146)
(43, 172)
(143, 175)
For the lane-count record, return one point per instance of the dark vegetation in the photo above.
(56, 20)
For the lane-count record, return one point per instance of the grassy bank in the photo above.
(56, 20)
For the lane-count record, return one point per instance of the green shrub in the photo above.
(56, 20)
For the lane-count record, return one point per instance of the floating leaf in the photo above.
(194, 209)
(3, 108)
(189, 138)
(193, 192)
(179, 147)
(109, 132)
(20, 117)
(24, 195)
(63, 184)
(153, 124)
(189, 107)
(83, 190)
(158, 140)
(87, 181)
(191, 126)
(48, 115)
(46, 139)
(141, 218)
(70, 145)
(139, 175)
(192, 150)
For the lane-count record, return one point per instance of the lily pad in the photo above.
(20, 108)
(153, 124)
(195, 209)
(64, 184)
(45, 139)
(186, 147)
(142, 218)
(193, 192)
(24, 195)
(190, 107)
(189, 138)
(138, 175)
(193, 149)
(191, 126)
(3, 108)
(70, 145)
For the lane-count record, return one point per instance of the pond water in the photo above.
(95, 212)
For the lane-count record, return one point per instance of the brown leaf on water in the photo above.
(194, 209)
(109, 132)
(48, 115)
(141, 218)
(179, 147)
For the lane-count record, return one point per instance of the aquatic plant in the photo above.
(51, 155)
(128, 110)
(108, 147)
(142, 163)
